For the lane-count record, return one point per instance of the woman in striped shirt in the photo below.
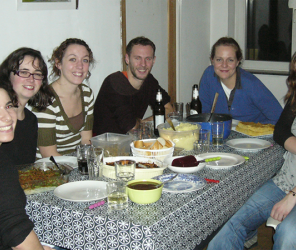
(68, 121)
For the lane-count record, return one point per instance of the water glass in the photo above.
(82, 158)
(116, 195)
(178, 107)
(217, 133)
(125, 170)
(202, 145)
(94, 162)
(175, 116)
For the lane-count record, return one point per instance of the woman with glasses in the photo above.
(68, 121)
(241, 94)
(24, 72)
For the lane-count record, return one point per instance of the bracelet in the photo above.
(294, 193)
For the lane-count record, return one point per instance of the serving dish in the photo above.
(109, 171)
(42, 176)
(182, 139)
(184, 170)
(144, 196)
(158, 154)
(69, 160)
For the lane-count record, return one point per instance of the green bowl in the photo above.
(144, 196)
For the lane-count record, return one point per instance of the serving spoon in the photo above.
(213, 106)
(171, 123)
(53, 160)
(159, 185)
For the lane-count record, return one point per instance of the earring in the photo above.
(88, 75)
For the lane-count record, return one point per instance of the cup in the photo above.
(187, 109)
(125, 170)
(82, 158)
(116, 195)
(94, 162)
(202, 145)
(217, 133)
(175, 116)
(178, 107)
(144, 131)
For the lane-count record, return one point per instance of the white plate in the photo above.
(183, 183)
(81, 191)
(70, 160)
(226, 161)
(248, 144)
(183, 170)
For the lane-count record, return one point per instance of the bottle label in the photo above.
(193, 112)
(159, 119)
(195, 94)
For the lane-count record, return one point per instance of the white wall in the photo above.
(149, 18)
(96, 21)
(193, 41)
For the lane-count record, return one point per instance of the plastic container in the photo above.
(113, 144)
(182, 139)
(140, 173)
(202, 119)
(159, 154)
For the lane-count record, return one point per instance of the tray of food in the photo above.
(255, 129)
(145, 167)
(42, 176)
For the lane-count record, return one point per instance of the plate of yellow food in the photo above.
(254, 129)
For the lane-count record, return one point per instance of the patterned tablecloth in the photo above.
(176, 221)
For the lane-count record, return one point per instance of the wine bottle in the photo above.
(158, 112)
(195, 105)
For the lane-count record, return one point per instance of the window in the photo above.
(264, 31)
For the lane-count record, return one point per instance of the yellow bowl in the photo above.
(144, 196)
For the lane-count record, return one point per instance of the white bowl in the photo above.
(158, 154)
(183, 170)
(109, 171)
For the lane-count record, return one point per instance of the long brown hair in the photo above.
(291, 84)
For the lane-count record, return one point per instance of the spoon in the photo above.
(171, 123)
(214, 105)
(53, 160)
(159, 185)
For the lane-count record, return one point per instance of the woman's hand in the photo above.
(281, 209)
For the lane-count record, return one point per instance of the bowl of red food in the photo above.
(185, 164)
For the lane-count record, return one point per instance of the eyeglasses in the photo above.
(27, 74)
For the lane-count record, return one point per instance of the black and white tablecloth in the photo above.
(176, 221)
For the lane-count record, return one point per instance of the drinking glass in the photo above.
(82, 158)
(217, 134)
(116, 195)
(178, 107)
(175, 116)
(125, 170)
(202, 145)
(94, 162)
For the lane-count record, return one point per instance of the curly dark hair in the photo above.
(141, 40)
(58, 54)
(12, 63)
(228, 41)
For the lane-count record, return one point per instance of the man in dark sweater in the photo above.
(124, 96)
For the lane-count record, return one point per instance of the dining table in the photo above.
(176, 221)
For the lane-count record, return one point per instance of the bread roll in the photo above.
(138, 144)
